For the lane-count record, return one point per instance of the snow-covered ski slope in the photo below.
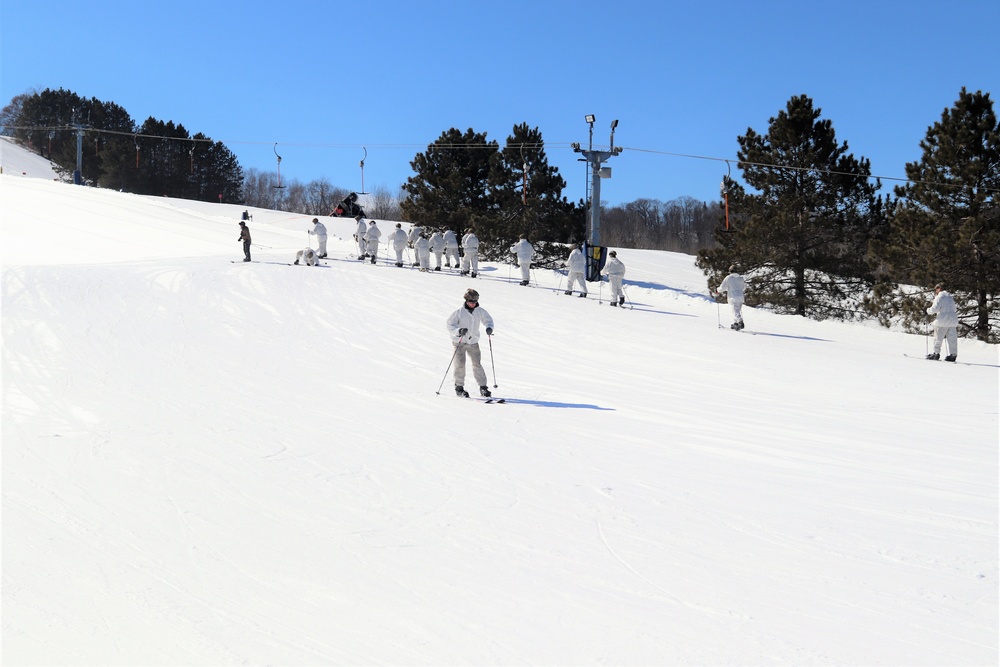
(209, 463)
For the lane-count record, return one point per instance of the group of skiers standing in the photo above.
(442, 245)
(614, 269)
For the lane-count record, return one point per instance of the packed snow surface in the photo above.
(209, 462)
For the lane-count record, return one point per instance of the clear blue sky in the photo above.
(324, 78)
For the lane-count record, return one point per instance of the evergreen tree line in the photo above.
(807, 225)
(814, 238)
(156, 157)
(464, 181)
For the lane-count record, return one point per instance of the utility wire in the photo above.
(508, 146)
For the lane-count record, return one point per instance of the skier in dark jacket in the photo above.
(245, 237)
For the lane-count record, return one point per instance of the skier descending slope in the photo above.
(463, 325)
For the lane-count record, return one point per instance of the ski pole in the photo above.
(489, 337)
(453, 355)
(600, 293)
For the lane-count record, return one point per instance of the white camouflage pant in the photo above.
(949, 333)
(575, 276)
(471, 349)
(737, 310)
(471, 259)
(616, 288)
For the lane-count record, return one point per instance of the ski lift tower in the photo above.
(78, 173)
(594, 160)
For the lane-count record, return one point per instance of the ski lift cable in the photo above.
(540, 144)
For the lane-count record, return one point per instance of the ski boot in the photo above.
(460, 391)
(621, 301)
(568, 292)
(485, 391)
(951, 357)
(933, 356)
(613, 304)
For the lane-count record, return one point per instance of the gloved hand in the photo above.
(489, 331)
(463, 331)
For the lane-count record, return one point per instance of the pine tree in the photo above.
(946, 227)
(527, 192)
(802, 236)
(450, 186)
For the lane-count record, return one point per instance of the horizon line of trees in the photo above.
(153, 158)
(814, 237)
(808, 226)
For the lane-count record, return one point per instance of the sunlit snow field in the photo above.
(207, 462)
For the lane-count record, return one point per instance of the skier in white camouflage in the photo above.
(307, 256)
(525, 253)
(945, 324)
(734, 285)
(463, 325)
(451, 249)
(397, 238)
(577, 264)
(422, 249)
(319, 230)
(411, 239)
(436, 246)
(361, 237)
(615, 271)
(372, 236)
(470, 245)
